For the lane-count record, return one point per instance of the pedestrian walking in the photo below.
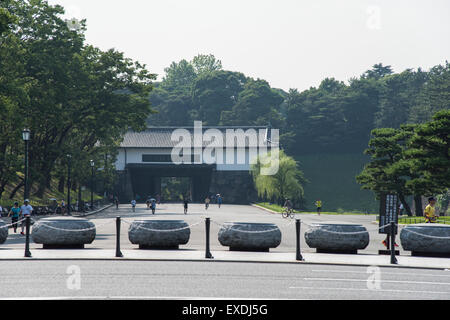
(207, 201)
(219, 200)
(133, 205)
(185, 205)
(25, 211)
(430, 216)
(153, 205)
(116, 200)
(15, 211)
(401, 209)
(63, 207)
(319, 206)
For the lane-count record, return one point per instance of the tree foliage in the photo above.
(287, 182)
(74, 98)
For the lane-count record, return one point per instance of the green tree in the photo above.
(216, 92)
(387, 172)
(204, 64)
(429, 155)
(287, 182)
(257, 104)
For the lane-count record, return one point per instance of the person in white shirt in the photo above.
(25, 211)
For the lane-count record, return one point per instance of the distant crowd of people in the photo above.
(152, 202)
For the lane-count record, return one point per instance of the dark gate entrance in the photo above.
(146, 178)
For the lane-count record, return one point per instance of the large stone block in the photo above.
(246, 236)
(63, 232)
(426, 239)
(340, 238)
(3, 232)
(154, 234)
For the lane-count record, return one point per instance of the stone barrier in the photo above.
(246, 236)
(426, 239)
(337, 238)
(61, 232)
(146, 233)
(3, 232)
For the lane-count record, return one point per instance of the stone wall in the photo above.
(236, 187)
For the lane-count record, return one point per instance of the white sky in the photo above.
(289, 43)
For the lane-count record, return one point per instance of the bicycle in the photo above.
(288, 212)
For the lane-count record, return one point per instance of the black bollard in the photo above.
(393, 258)
(118, 252)
(27, 237)
(298, 255)
(208, 254)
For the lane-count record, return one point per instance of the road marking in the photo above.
(385, 281)
(377, 290)
(384, 272)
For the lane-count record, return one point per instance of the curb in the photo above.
(265, 209)
(226, 260)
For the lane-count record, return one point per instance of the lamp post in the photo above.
(26, 138)
(69, 158)
(92, 184)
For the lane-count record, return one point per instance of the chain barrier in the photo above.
(426, 235)
(249, 231)
(316, 226)
(162, 230)
(73, 230)
(12, 223)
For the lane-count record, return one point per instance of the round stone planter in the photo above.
(145, 233)
(337, 238)
(61, 232)
(246, 236)
(3, 232)
(426, 239)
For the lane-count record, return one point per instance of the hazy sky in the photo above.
(289, 43)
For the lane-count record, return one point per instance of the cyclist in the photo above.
(288, 209)
(288, 205)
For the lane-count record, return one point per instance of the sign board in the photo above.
(388, 212)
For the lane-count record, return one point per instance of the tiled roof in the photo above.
(160, 137)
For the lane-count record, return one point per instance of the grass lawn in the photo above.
(278, 208)
(413, 220)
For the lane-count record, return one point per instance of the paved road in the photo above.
(156, 279)
(106, 226)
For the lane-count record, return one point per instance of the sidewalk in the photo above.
(227, 256)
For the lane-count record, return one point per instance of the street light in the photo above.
(26, 138)
(69, 158)
(92, 184)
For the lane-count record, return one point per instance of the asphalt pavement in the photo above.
(106, 232)
(199, 280)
